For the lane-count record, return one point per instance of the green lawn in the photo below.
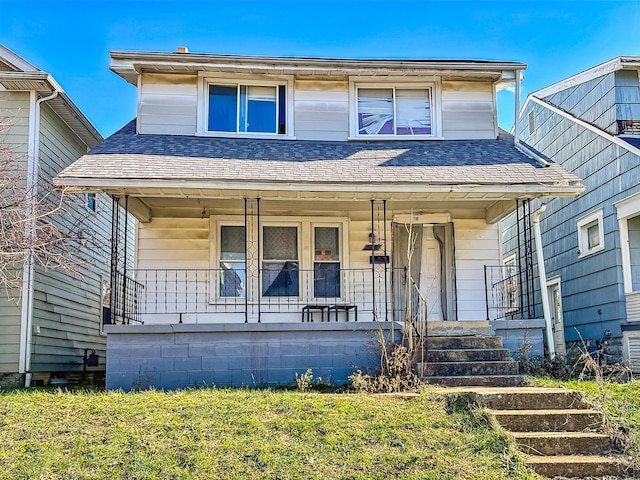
(259, 434)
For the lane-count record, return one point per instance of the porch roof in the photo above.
(127, 159)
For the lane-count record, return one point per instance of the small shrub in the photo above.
(304, 381)
(395, 375)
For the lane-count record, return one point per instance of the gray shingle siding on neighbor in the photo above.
(594, 283)
(128, 155)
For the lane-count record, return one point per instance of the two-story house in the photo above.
(50, 320)
(589, 124)
(293, 209)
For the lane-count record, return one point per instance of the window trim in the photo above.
(432, 83)
(305, 225)
(261, 260)
(627, 208)
(341, 260)
(215, 226)
(583, 224)
(204, 80)
(87, 203)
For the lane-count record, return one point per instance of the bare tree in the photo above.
(39, 223)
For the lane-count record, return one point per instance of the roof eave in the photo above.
(129, 65)
(83, 184)
(44, 85)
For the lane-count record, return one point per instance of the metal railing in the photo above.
(126, 302)
(205, 293)
(504, 298)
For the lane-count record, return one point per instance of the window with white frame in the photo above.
(402, 111)
(276, 261)
(245, 108)
(280, 261)
(326, 262)
(91, 202)
(590, 233)
(232, 263)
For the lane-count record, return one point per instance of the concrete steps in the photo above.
(468, 360)
(559, 431)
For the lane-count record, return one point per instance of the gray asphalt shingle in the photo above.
(126, 155)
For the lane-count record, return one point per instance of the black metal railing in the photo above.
(207, 293)
(503, 293)
(127, 295)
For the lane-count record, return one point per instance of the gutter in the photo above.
(26, 321)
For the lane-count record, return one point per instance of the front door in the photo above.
(557, 323)
(423, 272)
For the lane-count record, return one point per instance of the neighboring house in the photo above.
(53, 323)
(275, 193)
(590, 125)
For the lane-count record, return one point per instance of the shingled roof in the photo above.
(129, 156)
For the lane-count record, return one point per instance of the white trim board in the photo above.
(582, 123)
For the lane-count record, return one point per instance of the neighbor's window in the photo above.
(394, 111)
(91, 201)
(280, 262)
(326, 265)
(590, 233)
(247, 108)
(232, 262)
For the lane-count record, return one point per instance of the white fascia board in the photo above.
(598, 71)
(16, 60)
(612, 138)
(98, 184)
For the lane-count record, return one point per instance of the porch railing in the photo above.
(206, 292)
(504, 296)
(127, 295)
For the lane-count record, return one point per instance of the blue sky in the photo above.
(71, 39)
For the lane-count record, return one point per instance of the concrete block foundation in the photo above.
(196, 355)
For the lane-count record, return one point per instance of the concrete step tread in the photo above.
(490, 362)
(474, 380)
(576, 411)
(550, 435)
(597, 459)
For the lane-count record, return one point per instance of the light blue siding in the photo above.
(592, 286)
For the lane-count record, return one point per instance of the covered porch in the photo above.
(276, 257)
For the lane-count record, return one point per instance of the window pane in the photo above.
(327, 244)
(258, 109)
(232, 243)
(280, 279)
(282, 110)
(326, 280)
(232, 279)
(413, 112)
(223, 106)
(593, 236)
(375, 111)
(280, 243)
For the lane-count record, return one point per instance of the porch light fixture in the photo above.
(372, 245)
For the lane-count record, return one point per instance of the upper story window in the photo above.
(394, 110)
(245, 108)
(590, 233)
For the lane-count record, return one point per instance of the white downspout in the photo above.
(543, 281)
(516, 121)
(26, 324)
